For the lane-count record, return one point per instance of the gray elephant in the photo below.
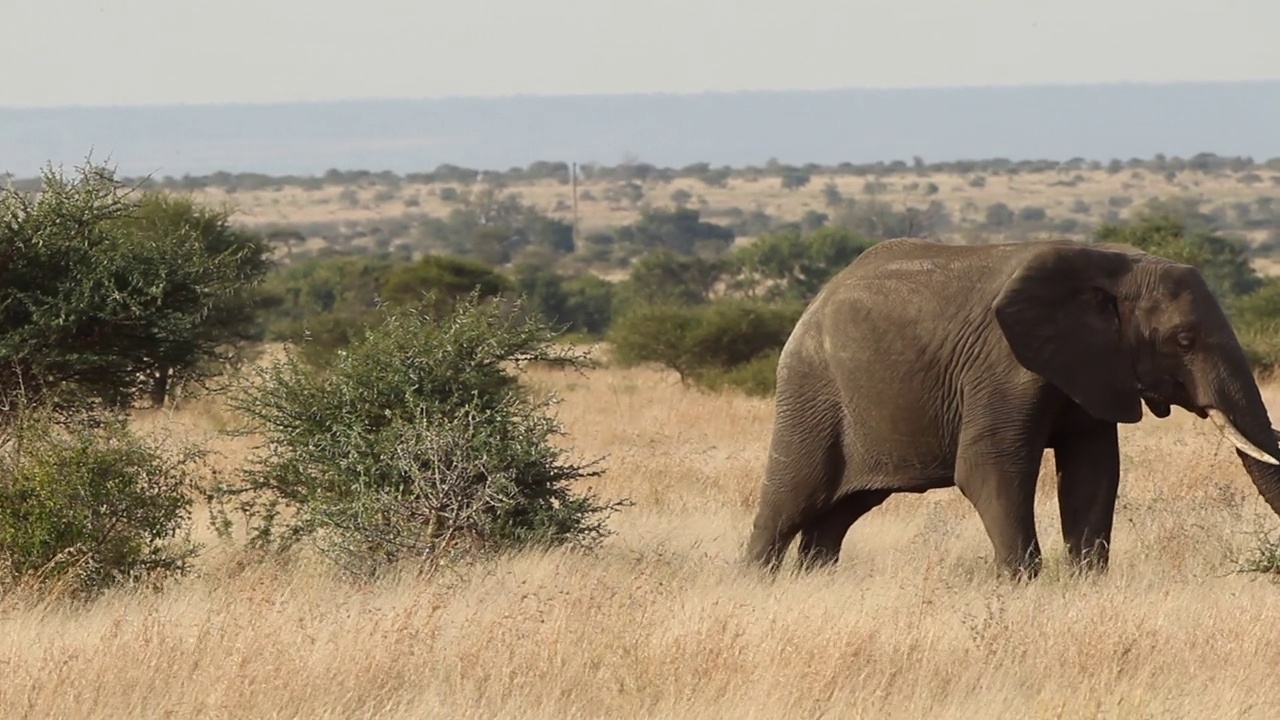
(923, 366)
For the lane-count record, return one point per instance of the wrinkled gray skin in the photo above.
(924, 366)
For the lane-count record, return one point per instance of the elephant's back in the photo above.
(896, 333)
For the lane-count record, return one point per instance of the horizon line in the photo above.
(636, 94)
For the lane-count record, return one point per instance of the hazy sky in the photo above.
(112, 52)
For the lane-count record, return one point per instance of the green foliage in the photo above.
(325, 303)
(1256, 320)
(999, 215)
(727, 342)
(494, 227)
(877, 219)
(678, 230)
(831, 196)
(664, 277)
(441, 280)
(101, 294)
(234, 258)
(1221, 260)
(757, 378)
(85, 505)
(580, 304)
(788, 264)
(418, 442)
(325, 300)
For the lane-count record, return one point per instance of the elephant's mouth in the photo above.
(1161, 408)
(1174, 392)
(1167, 393)
(1156, 404)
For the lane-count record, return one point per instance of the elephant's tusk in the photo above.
(1230, 432)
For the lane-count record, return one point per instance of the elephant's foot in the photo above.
(821, 539)
(1020, 565)
(1094, 561)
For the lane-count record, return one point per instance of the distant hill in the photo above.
(857, 125)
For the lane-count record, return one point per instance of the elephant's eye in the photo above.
(1186, 340)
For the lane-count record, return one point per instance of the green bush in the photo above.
(418, 442)
(1256, 319)
(581, 304)
(758, 377)
(724, 343)
(86, 504)
(442, 279)
(325, 303)
(789, 264)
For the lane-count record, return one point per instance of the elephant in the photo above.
(923, 365)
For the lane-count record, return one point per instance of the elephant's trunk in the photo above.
(1236, 408)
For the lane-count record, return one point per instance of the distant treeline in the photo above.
(718, 176)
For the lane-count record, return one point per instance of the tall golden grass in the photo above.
(662, 621)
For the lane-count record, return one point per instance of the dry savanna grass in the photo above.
(663, 622)
(1056, 192)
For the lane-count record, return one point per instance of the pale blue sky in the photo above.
(114, 52)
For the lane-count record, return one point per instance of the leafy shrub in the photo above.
(794, 179)
(1256, 320)
(711, 345)
(758, 377)
(664, 277)
(417, 442)
(789, 264)
(580, 304)
(86, 505)
(442, 278)
(228, 299)
(999, 215)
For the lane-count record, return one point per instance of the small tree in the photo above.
(732, 342)
(442, 280)
(418, 442)
(664, 277)
(94, 303)
(236, 261)
(791, 265)
(793, 179)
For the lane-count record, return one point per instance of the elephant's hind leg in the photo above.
(821, 539)
(803, 474)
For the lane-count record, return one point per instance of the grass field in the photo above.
(663, 622)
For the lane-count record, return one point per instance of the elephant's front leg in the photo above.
(1088, 464)
(997, 472)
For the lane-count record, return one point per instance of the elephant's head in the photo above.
(1114, 327)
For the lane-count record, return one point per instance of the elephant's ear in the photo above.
(1058, 314)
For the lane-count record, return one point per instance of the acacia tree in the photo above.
(102, 292)
(235, 261)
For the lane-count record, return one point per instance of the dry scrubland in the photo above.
(662, 622)
(1056, 192)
